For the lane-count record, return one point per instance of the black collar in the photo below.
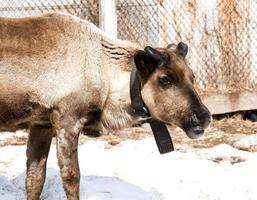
(135, 95)
(159, 129)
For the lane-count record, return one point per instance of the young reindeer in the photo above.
(60, 75)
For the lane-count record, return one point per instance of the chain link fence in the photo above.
(221, 34)
(86, 9)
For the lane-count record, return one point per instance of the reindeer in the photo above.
(60, 74)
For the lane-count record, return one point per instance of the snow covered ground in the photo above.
(134, 170)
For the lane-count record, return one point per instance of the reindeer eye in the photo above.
(165, 80)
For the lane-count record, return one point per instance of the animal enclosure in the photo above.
(222, 38)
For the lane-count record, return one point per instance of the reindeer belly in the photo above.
(17, 110)
(14, 107)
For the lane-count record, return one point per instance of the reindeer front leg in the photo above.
(68, 127)
(39, 142)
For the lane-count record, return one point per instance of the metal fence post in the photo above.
(108, 17)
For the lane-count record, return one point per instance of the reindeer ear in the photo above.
(148, 60)
(182, 49)
(142, 63)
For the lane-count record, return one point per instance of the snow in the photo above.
(247, 143)
(10, 135)
(6, 135)
(135, 170)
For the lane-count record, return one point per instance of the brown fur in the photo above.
(37, 152)
(60, 74)
(174, 97)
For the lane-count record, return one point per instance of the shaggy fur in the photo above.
(60, 74)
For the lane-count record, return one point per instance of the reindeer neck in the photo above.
(118, 112)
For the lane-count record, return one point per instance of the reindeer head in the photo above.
(168, 88)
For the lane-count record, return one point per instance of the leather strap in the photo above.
(162, 136)
(135, 95)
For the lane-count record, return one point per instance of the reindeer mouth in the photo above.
(194, 132)
(194, 127)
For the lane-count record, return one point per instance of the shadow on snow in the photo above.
(91, 187)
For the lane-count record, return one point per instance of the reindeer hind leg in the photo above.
(37, 152)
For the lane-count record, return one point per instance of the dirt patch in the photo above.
(14, 141)
(224, 131)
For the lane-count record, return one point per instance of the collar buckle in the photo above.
(143, 111)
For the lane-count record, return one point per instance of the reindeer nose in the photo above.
(204, 118)
(194, 120)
